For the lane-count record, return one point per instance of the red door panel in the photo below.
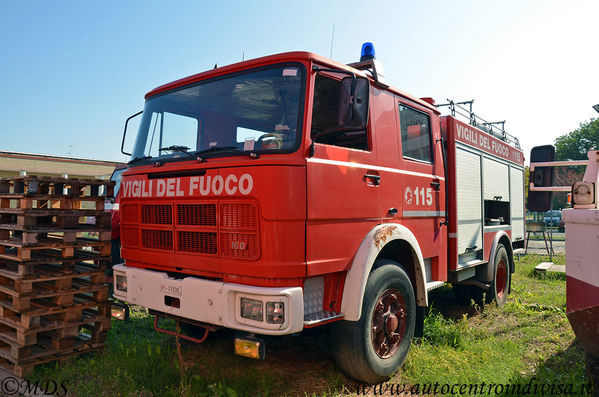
(343, 205)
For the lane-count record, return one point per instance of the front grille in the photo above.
(130, 213)
(238, 216)
(239, 245)
(157, 214)
(227, 229)
(130, 237)
(157, 239)
(204, 242)
(196, 214)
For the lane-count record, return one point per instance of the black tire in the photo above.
(463, 293)
(388, 288)
(500, 285)
(592, 364)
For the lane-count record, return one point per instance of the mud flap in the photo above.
(419, 328)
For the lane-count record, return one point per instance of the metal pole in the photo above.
(551, 231)
(332, 41)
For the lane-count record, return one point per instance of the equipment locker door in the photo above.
(517, 203)
(469, 203)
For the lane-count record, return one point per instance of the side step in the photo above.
(322, 317)
(469, 264)
(431, 285)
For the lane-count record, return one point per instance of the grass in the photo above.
(529, 337)
(529, 340)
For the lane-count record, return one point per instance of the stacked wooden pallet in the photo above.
(54, 249)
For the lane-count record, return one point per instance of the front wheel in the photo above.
(373, 348)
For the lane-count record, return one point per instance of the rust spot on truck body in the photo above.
(381, 235)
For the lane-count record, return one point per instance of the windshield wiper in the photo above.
(215, 149)
(177, 148)
(218, 149)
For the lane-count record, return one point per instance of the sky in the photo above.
(73, 71)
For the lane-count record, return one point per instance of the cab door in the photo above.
(424, 184)
(343, 185)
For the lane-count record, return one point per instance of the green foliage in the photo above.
(573, 146)
(439, 331)
(576, 144)
(527, 340)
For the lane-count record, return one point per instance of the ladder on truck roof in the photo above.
(491, 128)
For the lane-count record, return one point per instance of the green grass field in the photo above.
(528, 341)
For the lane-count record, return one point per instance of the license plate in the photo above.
(171, 289)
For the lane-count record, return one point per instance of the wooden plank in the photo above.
(54, 248)
(47, 351)
(13, 331)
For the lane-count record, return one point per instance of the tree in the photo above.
(565, 176)
(576, 144)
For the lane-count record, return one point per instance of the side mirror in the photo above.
(541, 177)
(125, 132)
(353, 103)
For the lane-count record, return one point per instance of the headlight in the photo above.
(121, 283)
(275, 312)
(251, 309)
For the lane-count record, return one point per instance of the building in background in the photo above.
(14, 164)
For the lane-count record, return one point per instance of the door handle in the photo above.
(376, 179)
(435, 185)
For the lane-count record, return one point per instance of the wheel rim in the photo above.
(389, 323)
(501, 279)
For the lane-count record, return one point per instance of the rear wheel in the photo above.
(374, 347)
(501, 277)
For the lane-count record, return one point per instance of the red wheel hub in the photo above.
(389, 323)
(501, 279)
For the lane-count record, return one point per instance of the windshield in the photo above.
(254, 111)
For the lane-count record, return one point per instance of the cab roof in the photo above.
(296, 56)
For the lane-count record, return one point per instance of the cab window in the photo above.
(325, 113)
(415, 134)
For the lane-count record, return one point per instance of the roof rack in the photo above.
(491, 128)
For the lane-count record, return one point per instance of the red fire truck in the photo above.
(292, 191)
